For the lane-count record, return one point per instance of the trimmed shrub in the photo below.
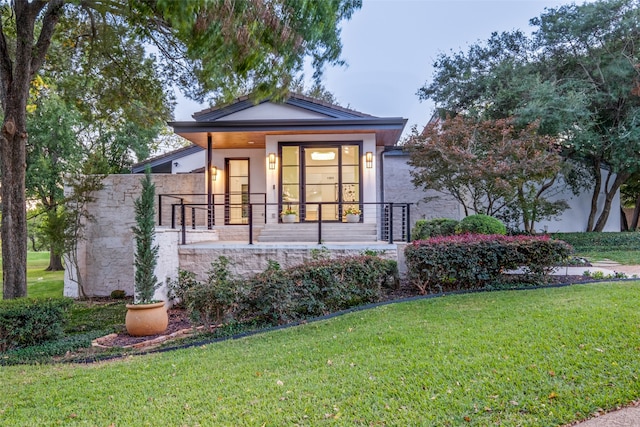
(25, 322)
(214, 300)
(471, 261)
(278, 296)
(481, 224)
(426, 228)
(177, 288)
(317, 288)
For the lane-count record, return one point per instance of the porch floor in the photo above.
(224, 244)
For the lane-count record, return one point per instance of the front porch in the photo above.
(250, 219)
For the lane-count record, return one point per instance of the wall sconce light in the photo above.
(214, 173)
(272, 160)
(369, 159)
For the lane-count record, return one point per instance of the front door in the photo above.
(237, 191)
(320, 174)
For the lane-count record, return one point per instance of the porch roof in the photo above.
(252, 133)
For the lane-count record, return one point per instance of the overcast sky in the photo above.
(390, 46)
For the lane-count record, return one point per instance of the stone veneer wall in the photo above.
(246, 261)
(105, 255)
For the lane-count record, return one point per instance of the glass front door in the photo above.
(237, 194)
(313, 175)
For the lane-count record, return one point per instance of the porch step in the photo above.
(308, 232)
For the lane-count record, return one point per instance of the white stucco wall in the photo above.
(576, 217)
(272, 111)
(190, 162)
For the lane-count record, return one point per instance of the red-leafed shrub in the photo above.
(474, 261)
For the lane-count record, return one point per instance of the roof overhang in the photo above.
(252, 133)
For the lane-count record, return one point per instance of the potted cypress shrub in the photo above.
(145, 316)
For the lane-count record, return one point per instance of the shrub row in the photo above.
(477, 224)
(474, 261)
(26, 322)
(601, 241)
(278, 296)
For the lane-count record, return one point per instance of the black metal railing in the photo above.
(190, 211)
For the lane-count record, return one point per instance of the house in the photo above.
(248, 163)
(224, 194)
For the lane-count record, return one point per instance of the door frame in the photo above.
(227, 190)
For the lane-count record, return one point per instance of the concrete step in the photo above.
(308, 232)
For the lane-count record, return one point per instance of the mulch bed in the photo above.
(180, 326)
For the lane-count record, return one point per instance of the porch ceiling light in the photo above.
(369, 159)
(272, 160)
(214, 173)
(326, 155)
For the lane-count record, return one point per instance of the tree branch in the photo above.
(49, 21)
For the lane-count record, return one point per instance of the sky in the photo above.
(390, 47)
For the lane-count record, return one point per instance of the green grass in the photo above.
(623, 257)
(41, 283)
(527, 358)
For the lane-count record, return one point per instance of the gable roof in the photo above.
(162, 163)
(294, 99)
(234, 125)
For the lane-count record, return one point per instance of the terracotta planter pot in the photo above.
(146, 319)
(353, 217)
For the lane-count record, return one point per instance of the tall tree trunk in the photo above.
(609, 195)
(55, 262)
(635, 216)
(14, 215)
(18, 65)
(597, 173)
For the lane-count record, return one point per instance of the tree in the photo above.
(209, 47)
(577, 75)
(52, 153)
(490, 167)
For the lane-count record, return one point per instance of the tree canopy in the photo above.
(208, 48)
(577, 74)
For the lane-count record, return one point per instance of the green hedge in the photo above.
(278, 296)
(426, 228)
(601, 241)
(475, 261)
(26, 322)
(481, 224)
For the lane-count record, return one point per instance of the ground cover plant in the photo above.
(527, 358)
(620, 247)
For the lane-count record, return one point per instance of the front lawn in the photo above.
(41, 283)
(529, 358)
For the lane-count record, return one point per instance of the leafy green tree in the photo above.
(52, 153)
(490, 167)
(578, 75)
(209, 48)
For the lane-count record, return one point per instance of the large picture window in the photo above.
(315, 175)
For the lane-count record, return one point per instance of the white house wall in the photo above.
(189, 163)
(575, 218)
(369, 192)
(270, 111)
